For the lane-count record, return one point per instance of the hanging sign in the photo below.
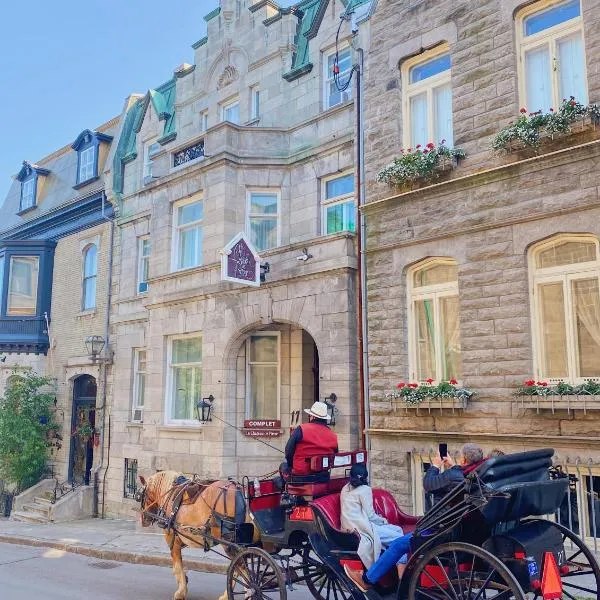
(262, 428)
(240, 263)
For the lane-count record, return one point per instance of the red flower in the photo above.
(453, 381)
(551, 110)
(530, 382)
(418, 146)
(431, 145)
(523, 110)
(543, 383)
(401, 385)
(410, 150)
(425, 151)
(443, 142)
(413, 385)
(429, 380)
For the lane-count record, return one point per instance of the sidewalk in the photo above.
(109, 539)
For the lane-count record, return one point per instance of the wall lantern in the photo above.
(204, 408)
(331, 409)
(264, 269)
(94, 345)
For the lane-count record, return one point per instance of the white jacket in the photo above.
(358, 514)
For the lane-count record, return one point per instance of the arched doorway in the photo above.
(83, 423)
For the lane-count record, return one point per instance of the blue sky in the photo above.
(68, 65)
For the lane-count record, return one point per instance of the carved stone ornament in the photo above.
(229, 75)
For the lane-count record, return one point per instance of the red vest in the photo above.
(317, 440)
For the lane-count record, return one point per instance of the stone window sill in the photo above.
(180, 428)
(84, 314)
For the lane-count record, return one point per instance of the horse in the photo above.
(186, 510)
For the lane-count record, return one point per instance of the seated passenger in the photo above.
(358, 515)
(310, 439)
(439, 484)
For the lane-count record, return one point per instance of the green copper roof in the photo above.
(163, 101)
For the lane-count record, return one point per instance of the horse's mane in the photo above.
(160, 483)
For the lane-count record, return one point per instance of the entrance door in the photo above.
(83, 423)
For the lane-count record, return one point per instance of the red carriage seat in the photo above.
(316, 490)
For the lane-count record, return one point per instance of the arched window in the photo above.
(434, 336)
(90, 271)
(566, 308)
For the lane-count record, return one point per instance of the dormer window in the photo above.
(31, 186)
(89, 150)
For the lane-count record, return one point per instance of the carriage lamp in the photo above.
(264, 269)
(94, 345)
(204, 408)
(331, 409)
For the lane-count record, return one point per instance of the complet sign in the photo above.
(262, 428)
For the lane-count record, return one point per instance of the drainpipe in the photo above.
(104, 368)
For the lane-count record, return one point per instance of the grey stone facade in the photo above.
(485, 216)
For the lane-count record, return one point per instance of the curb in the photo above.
(155, 560)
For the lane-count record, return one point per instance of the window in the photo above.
(28, 193)
(23, 285)
(90, 271)
(434, 336)
(139, 386)
(427, 95)
(188, 234)
(87, 167)
(151, 149)
(130, 478)
(332, 95)
(566, 309)
(231, 111)
(338, 206)
(143, 264)
(262, 376)
(255, 102)
(185, 373)
(552, 56)
(204, 120)
(263, 219)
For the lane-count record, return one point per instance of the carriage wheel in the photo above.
(253, 574)
(321, 581)
(583, 578)
(459, 570)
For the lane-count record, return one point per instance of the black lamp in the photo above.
(94, 345)
(204, 408)
(331, 409)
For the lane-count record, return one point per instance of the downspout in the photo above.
(105, 368)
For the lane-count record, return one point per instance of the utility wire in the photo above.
(241, 431)
(341, 86)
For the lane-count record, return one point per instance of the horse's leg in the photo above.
(176, 545)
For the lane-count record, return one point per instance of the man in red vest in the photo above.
(310, 439)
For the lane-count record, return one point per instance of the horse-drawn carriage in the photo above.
(491, 537)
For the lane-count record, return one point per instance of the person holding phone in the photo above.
(438, 482)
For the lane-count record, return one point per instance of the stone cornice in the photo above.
(261, 4)
(297, 73)
(200, 42)
(212, 14)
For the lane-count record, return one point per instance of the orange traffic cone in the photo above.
(551, 583)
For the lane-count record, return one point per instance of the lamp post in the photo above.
(204, 409)
(94, 345)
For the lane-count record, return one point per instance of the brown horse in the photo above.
(207, 510)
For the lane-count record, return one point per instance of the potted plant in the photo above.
(542, 395)
(415, 394)
(84, 430)
(420, 164)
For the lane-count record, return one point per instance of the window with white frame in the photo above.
(230, 111)
(332, 95)
(23, 285)
(139, 385)
(90, 272)
(204, 120)
(28, 193)
(185, 379)
(552, 55)
(427, 95)
(151, 149)
(263, 219)
(338, 204)
(189, 233)
(255, 102)
(566, 308)
(434, 335)
(87, 165)
(262, 376)
(144, 249)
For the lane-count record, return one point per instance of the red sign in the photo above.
(240, 262)
(262, 428)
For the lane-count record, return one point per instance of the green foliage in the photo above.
(531, 128)
(420, 164)
(542, 388)
(415, 393)
(26, 424)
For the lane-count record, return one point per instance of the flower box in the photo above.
(430, 403)
(429, 396)
(554, 402)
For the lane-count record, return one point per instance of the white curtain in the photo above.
(587, 312)
(450, 333)
(537, 76)
(571, 68)
(442, 108)
(418, 120)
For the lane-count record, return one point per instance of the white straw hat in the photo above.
(319, 411)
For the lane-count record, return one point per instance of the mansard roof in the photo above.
(85, 136)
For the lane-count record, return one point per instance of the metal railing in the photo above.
(62, 489)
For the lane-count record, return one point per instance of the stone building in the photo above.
(55, 261)
(253, 138)
(489, 274)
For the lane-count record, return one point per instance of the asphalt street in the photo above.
(29, 573)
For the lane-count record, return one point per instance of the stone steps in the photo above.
(38, 509)
(28, 517)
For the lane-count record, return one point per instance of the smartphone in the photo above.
(443, 448)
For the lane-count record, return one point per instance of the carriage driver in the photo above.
(314, 438)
